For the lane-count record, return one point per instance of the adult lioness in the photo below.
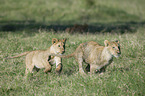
(40, 58)
(96, 56)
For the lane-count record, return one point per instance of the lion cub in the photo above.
(40, 58)
(96, 56)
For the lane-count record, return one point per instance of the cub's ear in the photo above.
(54, 40)
(117, 41)
(64, 40)
(106, 42)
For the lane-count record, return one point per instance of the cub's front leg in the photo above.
(58, 68)
(58, 65)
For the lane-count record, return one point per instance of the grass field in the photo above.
(27, 25)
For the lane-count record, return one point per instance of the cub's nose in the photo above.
(119, 52)
(63, 51)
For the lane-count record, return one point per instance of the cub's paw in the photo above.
(58, 69)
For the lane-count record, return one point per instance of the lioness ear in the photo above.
(106, 42)
(54, 40)
(117, 41)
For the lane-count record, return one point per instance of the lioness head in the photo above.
(114, 47)
(58, 46)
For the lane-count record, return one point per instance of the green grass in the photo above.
(66, 12)
(22, 29)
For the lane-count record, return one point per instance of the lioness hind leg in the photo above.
(58, 68)
(80, 62)
(79, 59)
(28, 70)
(26, 73)
(29, 67)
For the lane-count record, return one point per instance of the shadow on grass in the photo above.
(122, 69)
(118, 27)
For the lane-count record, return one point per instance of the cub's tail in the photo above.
(19, 55)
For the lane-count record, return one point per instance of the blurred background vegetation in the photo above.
(100, 15)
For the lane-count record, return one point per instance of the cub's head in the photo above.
(113, 47)
(58, 46)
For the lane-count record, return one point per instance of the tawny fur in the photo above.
(39, 58)
(96, 56)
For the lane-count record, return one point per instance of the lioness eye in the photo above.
(113, 47)
(58, 45)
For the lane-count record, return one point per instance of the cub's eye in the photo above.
(113, 47)
(58, 45)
